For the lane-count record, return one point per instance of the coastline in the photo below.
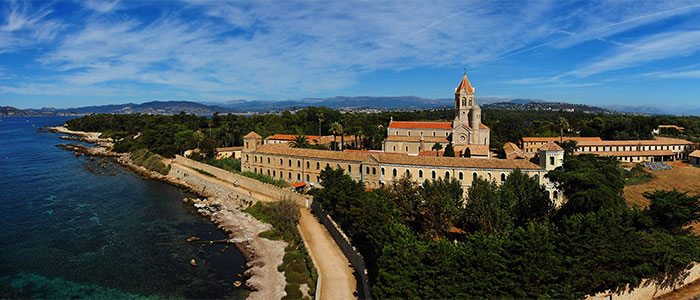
(262, 255)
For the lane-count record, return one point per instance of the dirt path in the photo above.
(690, 291)
(682, 177)
(338, 280)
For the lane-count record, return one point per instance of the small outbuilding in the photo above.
(694, 158)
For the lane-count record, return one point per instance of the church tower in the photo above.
(464, 100)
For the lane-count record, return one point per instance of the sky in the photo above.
(69, 54)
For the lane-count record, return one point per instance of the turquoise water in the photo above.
(70, 233)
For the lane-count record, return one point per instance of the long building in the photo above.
(658, 149)
(400, 156)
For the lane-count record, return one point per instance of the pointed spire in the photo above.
(464, 84)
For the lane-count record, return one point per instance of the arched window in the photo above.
(298, 176)
(298, 163)
(503, 177)
(409, 133)
(447, 175)
(489, 176)
(307, 177)
(537, 177)
(246, 157)
(367, 170)
(255, 170)
(289, 176)
(337, 166)
(281, 162)
(461, 176)
(274, 173)
(327, 165)
(394, 148)
(408, 173)
(393, 172)
(318, 166)
(432, 174)
(374, 171)
(307, 164)
(349, 169)
(268, 160)
(474, 176)
(382, 171)
(420, 173)
(255, 159)
(406, 148)
(290, 162)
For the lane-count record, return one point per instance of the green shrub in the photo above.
(228, 164)
(266, 179)
(139, 156)
(196, 156)
(205, 173)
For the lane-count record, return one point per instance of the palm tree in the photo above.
(227, 129)
(320, 119)
(437, 147)
(299, 141)
(198, 136)
(563, 124)
(337, 129)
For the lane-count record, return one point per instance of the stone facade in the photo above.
(632, 151)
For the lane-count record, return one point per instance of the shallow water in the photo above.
(70, 233)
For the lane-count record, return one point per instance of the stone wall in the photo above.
(245, 182)
(207, 187)
(651, 290)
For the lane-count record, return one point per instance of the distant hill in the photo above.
(8, 111)
(154, 107)
(548, 106)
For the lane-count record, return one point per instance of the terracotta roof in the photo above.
(290, 137)
(299, 184)
(556, 139)
(631, 153)
(464, 84)
(658, 141)
(513, 151)
(420, 125)
(431, 153)
(252, 134)
(428, 161)
(416, 139)
(695, 153)
(551, 146)
(327, 154)
(457, 162)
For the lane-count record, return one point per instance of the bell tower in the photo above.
(464, 100)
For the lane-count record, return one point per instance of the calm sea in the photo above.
(66, 232)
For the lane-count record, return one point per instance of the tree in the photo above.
(671, 210)
(437, 147)
(198, 137)
(337, 129)
(484, 210)
(300, 141)
(590, 183)
(563, 124)
(183, 139)
(209, 148)
(569, 147)
(440, 205)
(467, 152)
(529, 201)
(449, 151)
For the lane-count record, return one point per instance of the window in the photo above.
(393, 172)
(397, 132)
(281, 162)
(349, 169)
(337, 166)
(268, 160)
(556, 195)
(318, 166)
(318, 179)
(489, 176)
(374, 171)
(307, 177)
(551, 160)
(290, 162)
(408, 173)
(274, 173)
(537, 177)
(298, 163)
(327, 165)
(406, 148)
(433, 133)
(367, 169)
(503, 177)
(432, 173)
(307, 164)
(394, 148)
(420, 173)
(255, 159)
(447, 175)
(246, 157)
(298, 176)
(461, 176)
(255, 170)
(409, 133)
(474, 176)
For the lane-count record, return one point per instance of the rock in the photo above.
(192, 239)
(237, 283)
(193, 263)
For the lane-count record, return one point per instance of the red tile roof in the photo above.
(252, 134)
(551, 146)
(420, 125)
(464, 84)
(556, 139)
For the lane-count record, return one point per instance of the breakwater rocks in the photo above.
(263, 255)
(88, 151)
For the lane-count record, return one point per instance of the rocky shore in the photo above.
(263, 255)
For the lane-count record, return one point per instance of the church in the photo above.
(465, 132)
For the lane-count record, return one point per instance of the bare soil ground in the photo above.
(683, 177)
(689, 291)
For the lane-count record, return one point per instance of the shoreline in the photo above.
(263, 256)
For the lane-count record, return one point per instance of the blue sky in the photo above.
(67, 54)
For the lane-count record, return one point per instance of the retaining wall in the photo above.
(250, 184)
(354, 256)
(651, 290)
(209, 187)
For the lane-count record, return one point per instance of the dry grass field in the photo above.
(683, 177)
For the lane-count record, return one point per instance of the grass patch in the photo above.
(150, 160)
(296, 264)
(234, 166)
(637, 175)
(205, 173)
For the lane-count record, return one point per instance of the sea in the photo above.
(67, 232)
